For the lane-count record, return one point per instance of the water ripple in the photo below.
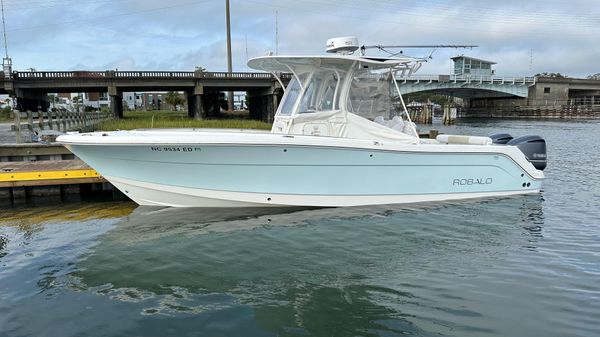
(522, 266)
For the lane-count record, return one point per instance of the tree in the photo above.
(553, 75)
(424, 97)
(594, 77)
(53, 100)
(174, 98)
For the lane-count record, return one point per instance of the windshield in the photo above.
(321, 92)
(289, 100)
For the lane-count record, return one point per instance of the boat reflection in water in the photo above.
(283, 271)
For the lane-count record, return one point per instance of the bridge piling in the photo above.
(195, 100)
(31, 100)
(116, 100)
(116, 105)
(263, 103)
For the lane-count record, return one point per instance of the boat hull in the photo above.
(151, 194)
(259, 175)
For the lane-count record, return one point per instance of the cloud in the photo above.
(182, 34)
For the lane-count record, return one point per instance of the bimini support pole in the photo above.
(412, 125)
(278, 80)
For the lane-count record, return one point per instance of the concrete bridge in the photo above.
(264, 91)
(473, 86)
(31, 88)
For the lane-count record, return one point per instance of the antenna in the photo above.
(276, 32)
(6, 61)
(435, 46)
(530, 59)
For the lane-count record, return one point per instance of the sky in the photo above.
(524, 37)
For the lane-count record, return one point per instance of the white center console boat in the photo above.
(341, 137)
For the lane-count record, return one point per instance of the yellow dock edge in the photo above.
(47, 175)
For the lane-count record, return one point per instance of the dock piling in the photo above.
(17, 115)
(50, 119)
(40, 115)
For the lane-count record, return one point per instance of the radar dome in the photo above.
(342, 45)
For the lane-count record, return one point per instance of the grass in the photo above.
(5, 116)
(171, 119)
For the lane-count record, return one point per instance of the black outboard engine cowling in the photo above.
(501, 138)
(534, 148)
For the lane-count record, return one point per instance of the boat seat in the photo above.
(473, 140)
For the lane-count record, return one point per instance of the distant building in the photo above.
(65, 95)
(470, 66)
(153, 101)
(147, 101)
(133, 100)
(239, 101)
(64, 102)
(96, 99)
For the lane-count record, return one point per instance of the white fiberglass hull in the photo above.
(150, 194)
(225, 169)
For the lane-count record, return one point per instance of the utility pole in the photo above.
(229, 94)
(276, 32)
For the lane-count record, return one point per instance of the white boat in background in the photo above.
(341, 137)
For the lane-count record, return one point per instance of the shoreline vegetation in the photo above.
(5, 115)
(163, 119)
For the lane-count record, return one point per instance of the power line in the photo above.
(477, 12)
(24, 28)
(32, 6)
(441, 13)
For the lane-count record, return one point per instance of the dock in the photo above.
(31, 171)
(34, 152)
(47, 172)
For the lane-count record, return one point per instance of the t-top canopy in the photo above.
(284, 63)
(342, 96)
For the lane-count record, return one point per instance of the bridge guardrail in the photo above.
(236, 75)
(54, 120)
(58, 74)
(142, 74)
(153, 74)
(469, 79)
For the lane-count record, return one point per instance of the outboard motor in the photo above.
(500, 138)
(533, 147)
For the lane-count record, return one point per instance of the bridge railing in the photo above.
(152, 74)
(236, 75)
(59, 74)
(469, 79)
(142, 75)
(36, 121)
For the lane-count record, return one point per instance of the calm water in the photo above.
(524, 266)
